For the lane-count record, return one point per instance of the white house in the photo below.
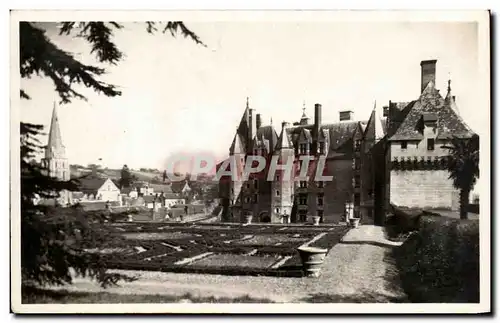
(98, 188)
(171, 199)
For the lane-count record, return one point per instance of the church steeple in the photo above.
(55, 162)
(55, 147)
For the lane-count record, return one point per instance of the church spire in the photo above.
(55, 147)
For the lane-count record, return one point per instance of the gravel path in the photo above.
(359, 269)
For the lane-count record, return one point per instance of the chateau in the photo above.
(393, 157)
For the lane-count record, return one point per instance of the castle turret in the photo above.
(55, 162)
(282, 186)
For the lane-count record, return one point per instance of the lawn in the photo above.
(37, 296)
(213, 249)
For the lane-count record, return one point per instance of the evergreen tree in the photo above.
(48, 236)
(126, 178)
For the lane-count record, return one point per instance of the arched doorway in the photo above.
(264, 217)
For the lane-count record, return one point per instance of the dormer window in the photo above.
(302, 149)
(429, 118)
(404, 145)
(303, 184)
(321, 147)
(357, 145)
(430, 144)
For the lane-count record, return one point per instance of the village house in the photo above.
(171, 199)
(97, 187)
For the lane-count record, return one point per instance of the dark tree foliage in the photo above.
(463, 166)
(52, 238)
(125, 178)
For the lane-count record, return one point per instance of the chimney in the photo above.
(251, 123)
(428, 71)
(258, 121)
(317, 116)
(346, 115)
(316, 127)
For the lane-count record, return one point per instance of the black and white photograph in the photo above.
(209, 161)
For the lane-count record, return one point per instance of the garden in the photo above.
(268, 250)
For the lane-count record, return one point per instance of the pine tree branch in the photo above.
(40, 56)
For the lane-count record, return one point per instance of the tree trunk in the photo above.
(464, 203)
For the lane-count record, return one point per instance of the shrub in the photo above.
(440, 261)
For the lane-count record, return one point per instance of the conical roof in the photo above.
(55, 147)
(236, 146)
(284, 141)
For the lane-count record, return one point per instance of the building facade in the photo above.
(396, 156)
(286, 198)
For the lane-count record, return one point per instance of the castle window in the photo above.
(248, 185)
(320, 199)
(303, 199)
(302, 149)
(277, 193)
(320, 184)
(357, 164)
(277, 178)
(303, 184)
(321, 148)
(430, 144)
(357, 199)
(404, 144)
(357, 145)
(357, 181)
(255, 183)
(277, 210)
(247, 200)
(255, 198)
(320, 214)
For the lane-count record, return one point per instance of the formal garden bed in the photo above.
(213, 249)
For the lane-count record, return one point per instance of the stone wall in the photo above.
(339, 190)
(423, 189)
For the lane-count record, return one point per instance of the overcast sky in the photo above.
(181, 97)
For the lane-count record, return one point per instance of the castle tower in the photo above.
(282, 186)
(55, 162)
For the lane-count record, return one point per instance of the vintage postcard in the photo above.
(250, 162)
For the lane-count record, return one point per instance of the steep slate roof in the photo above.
(340, 133)
(270, 137)
(284, 140)
(375, 125)
(90, 183)
(237, 146)
(430, 101)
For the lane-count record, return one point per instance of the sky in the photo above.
(179, 97)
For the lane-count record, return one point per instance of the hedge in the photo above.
(439, 263)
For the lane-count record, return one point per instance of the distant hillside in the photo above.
(116, 174)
